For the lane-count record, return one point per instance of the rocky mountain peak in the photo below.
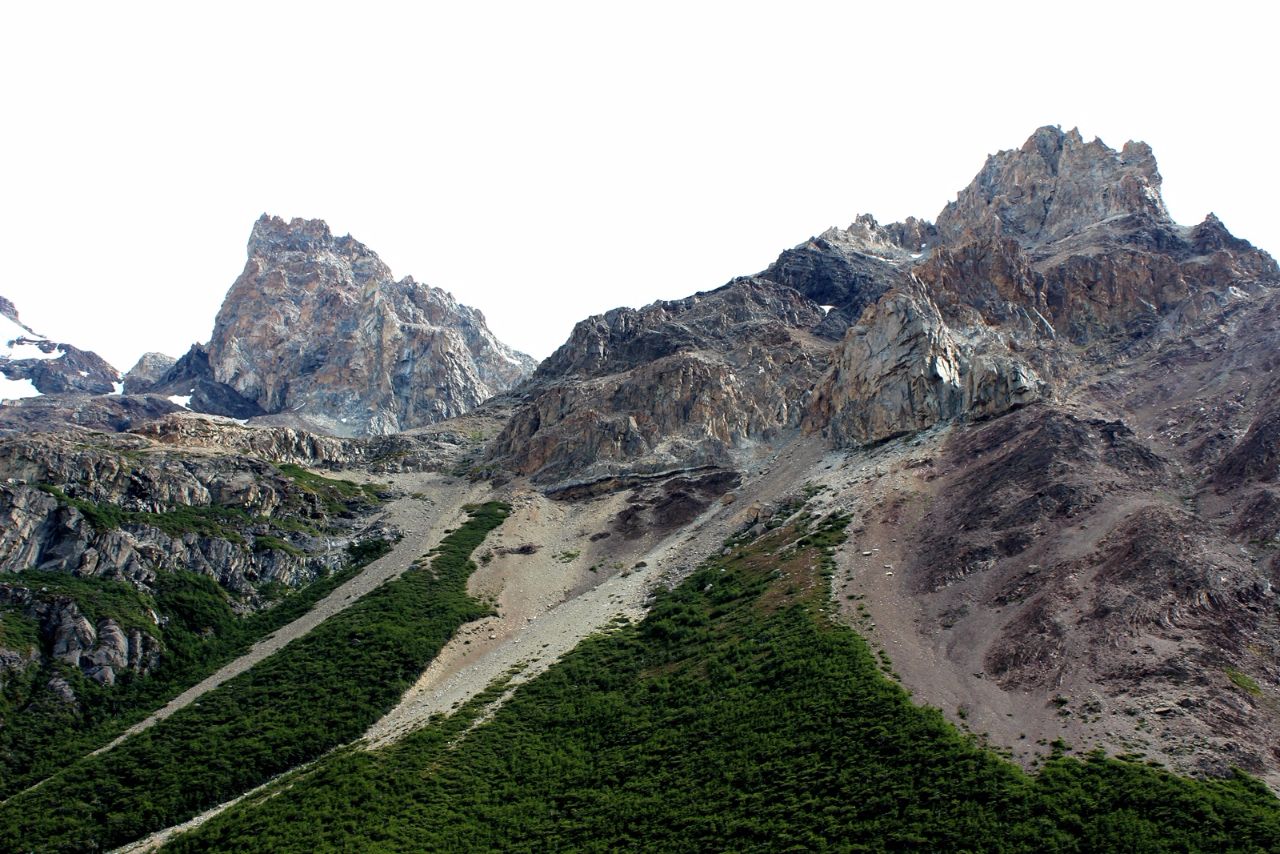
(317, 331)
(272, 234)
(1055, 185)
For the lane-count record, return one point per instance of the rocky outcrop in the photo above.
(903, 369)
(438, 450)
(674, 385)
(33, 364)
(9, 310)
(102, 649)
(847, 270)
(1076, 234)
(146, 372)
(1055, 246)
(316, 326)
(122, 507)
(190, 382)
(109, 413)
(1054, 186)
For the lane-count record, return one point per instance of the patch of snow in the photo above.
(117, 388)
(27, 350)
(11, 332)
(15, 389)
(826, 309)
(83, 373)
(183, 400)
(917, 255)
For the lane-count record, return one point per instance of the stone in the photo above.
(317, 328)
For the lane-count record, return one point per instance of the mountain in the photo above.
(32, 365)
(1053, 381)
(315, 332)
(933, 536)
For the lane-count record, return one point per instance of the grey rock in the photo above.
(148, 370)
(315, 326)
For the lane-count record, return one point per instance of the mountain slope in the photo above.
(1048, 426)
(736, 715)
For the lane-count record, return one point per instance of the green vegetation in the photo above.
(321, 691)
(18, 632)
(736, 716)
(333, 494)
(211, 521)
(265, 542)
(41, 734)
(1244, 681)
(566, 556)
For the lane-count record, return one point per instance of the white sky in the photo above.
(546, 161)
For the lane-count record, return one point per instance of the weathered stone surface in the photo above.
(1054, 186)
(191, 379)
(37, 531)
(902, 369)
(101, 651)
(436, 450)
(1076, 234)
(849, 269)
(1058, 245)
(146, 372)
(52, 367)
(317, 327)
(111, 413)
(671, 386)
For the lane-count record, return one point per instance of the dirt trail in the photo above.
(422, 521)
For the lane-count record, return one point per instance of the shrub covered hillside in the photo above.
(201, 634)
(736, 716)
(320, 691)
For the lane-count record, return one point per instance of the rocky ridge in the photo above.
(32, 365)
(672, 386)
(1054, 360)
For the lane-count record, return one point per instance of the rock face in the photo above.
(849, 269)
(148, 371)
(1057, 246)
(1055, 186)
(317, 327)
(109, 413)
(190, 383)
(671, 386)
(102, 649)
(124, 507)
(31, 364)
(902, 369)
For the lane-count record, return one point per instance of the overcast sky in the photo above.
(547, 161)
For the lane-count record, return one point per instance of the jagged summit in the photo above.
(317, 330)
(1056, 184)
